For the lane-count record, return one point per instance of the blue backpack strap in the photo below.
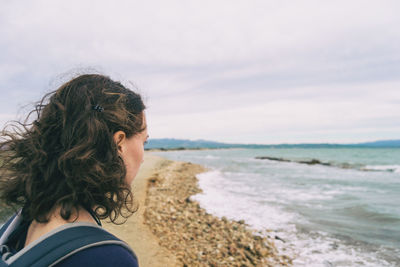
(9, 226)
(61, 243)
(6, 224)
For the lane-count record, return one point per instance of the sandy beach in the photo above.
(134, 231)
(170, 229)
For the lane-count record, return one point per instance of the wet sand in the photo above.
(138, 235)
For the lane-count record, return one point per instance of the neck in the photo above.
(37, 229)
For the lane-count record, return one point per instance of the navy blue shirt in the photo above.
(103, 255)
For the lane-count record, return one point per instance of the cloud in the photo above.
(276, 113)
(229, 69)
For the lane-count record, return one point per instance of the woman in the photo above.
(75, 164)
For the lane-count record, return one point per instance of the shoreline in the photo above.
(134, 231)
(176, 231)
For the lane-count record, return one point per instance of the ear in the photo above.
(119, 139)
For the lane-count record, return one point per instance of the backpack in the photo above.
(55, 246)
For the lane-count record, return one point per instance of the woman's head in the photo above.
(76, 151)
(131, 151)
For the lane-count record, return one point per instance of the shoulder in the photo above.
(105, 255)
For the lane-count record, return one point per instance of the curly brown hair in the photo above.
(67, 157)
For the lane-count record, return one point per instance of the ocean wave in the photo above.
(288, 199)
(363, 212)
(342, 165)
(387, 168)
(309, 248)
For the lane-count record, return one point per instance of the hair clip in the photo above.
(98, 108)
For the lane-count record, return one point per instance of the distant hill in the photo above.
(170, 143)
(383, 143)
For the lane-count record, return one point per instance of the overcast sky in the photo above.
(232, 71)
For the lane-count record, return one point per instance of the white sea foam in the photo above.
(320, 250)
(236, 200)
(223, 197)
(211, 157)
(393, 168)
(313, 208)
(314, 193)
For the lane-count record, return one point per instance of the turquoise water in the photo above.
(326, 215)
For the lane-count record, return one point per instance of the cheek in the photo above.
(133, 160)
(137, 153)
(141, 153)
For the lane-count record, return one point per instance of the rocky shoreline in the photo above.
(195, 237)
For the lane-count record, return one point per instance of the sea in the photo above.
(342, 211)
